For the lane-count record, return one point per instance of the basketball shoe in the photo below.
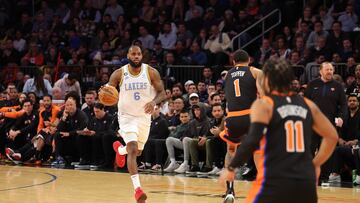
(140, 195)
(120, 159)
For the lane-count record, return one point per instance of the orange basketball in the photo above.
(108, 95)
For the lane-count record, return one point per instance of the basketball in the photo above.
(108, 95)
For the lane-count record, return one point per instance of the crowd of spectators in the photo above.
(55, 57)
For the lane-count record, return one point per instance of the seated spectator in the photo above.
(192, 6)
(9, 54)
(349, 19)
(88, 107)
(203, 95)
(314, 35)
(174, 120)
(38, 84)
(34, 56)
(217, 45)
(146, 39)
(312, 69)
(95, 141)
(155, 148)
(114, 10)
(175, 141)
(346, 49)
(190, 90)
(168, 36)
(350, 136)
(321, 48)
(264, 52)
(281, 47)
(208, 76)
(67, 84)
(355, 86)
(197, 57)
(184, 35)
(214, 147)
(336, 36)
(179, 139)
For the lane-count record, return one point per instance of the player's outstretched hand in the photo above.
(226, 175)
(149, 107)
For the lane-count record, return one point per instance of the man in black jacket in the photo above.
(21, 134)
(24, 128)
(155, 148)
(95, 151)
(329, 96)
(72, 121)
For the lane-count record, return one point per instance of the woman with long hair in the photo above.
(38, 84)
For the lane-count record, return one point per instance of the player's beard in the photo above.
(134, 65)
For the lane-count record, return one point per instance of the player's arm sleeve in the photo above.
(249, 144)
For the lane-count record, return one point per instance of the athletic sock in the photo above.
(135, 180)
(122, 150)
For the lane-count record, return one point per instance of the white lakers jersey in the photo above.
(135, 92)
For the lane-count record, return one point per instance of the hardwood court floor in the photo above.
(44, 185)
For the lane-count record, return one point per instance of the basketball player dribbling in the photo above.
(282, 124)
(242, 87)
(141, 89)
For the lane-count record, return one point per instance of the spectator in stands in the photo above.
(306, 18)
(192, 6)
(72, 121)
(90, 13)
(349, 19)
(346, 49)
(197, 56)
(147, 12)
(228, 24)
(281, 47)
(329, 96)
(95, 141)
(217, 45)
(178, 10)
(146, 39)
(314, 35)
(207, 76)
(355, 86)
(198, 129)
(176, 91)
(184, 35)
(8, 54)
(61, 11)
(174, 120)
(215, 146)
(158, 52)
(191, 88)
(114, 10)
(304, 30)
(175, 141)
(38, 84)
(68, 83)
(168, 36)
(325, 17)
(25, 25)
(336, 36)
(264, 52)
(321, 48)
(88, 107)
(295, 59)
(203, 95)
(19, 42)
(350, 136)
(312, 69)
(180, 53)
(34, 56)
(155, 148)
(41, 23)
(211, 88)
